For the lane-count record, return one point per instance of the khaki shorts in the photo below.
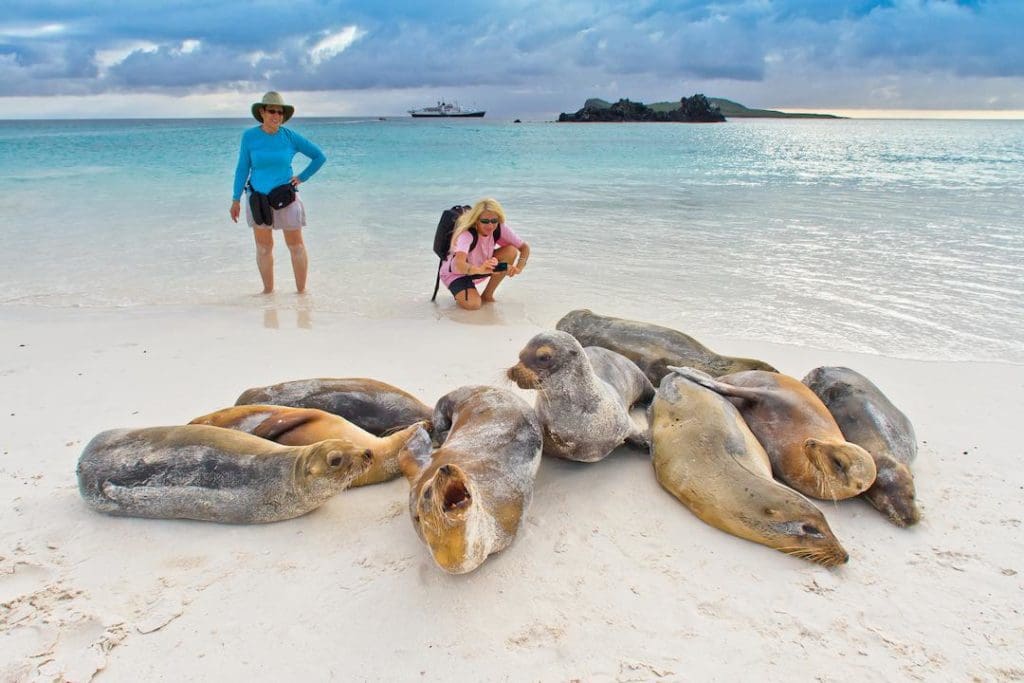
(291, 217)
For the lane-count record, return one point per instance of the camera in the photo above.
(501, 267)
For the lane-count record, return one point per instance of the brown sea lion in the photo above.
(212, 474)
(870, 420)
(806, 448)
(468, 498)
(305, 426)
(652, 347)
(705, 455)
(377, 407)
(583, 396)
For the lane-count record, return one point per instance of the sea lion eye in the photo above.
(334, 460)
(811, 530)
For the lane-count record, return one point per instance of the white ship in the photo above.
(445, 109)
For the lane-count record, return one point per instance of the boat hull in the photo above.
(464, 115)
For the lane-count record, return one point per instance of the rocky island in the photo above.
(694, 109)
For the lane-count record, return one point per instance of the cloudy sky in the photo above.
(516, 58)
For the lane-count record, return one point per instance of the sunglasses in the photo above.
(486, 221)
(278, 112)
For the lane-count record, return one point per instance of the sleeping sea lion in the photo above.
(305, 426)
(377, 407)
(870, 420)
(469, 497)
(651, 347)
(583, 396)
(803, 441)
(212, 474)
(705, 455)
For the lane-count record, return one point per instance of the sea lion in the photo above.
(212, 474)
(869, 419)
(469, 497)
(706, 456)
(583, 396)
(305, 426)
(806, 448)
(651, 347)
(377, 407)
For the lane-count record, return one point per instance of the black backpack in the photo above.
(443, 238)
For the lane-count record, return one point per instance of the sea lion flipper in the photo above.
(415, 454)
(284, 421)
(707, 381)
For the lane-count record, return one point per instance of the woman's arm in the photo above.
(524, 254)
(315, 154)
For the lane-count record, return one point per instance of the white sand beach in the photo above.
(610, 579)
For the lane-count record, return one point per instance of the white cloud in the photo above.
(111, 57)
(335, 43)
(189, 45)
(39, 31)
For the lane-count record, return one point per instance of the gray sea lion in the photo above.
(305, 426)
(869, 419)
(468, 498)
(806, 448)
(583, 396)
(652, 347)
(706, 456)
(212, 474)
(377, 407)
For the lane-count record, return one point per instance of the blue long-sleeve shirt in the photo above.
(266, 160)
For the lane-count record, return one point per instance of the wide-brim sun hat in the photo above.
(271, 98)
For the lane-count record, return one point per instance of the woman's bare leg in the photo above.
(265, 257)
(468, 299)
(507, 254)
(293, 238)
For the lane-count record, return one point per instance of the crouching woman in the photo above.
(483, 248)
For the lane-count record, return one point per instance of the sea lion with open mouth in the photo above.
(468, 498)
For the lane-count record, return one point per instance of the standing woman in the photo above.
(483, 247)
(265, 163)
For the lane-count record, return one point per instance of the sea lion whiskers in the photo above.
(824, 556)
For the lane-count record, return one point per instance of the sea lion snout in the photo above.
(523, 376)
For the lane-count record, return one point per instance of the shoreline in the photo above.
(605, 555)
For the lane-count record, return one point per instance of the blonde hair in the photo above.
(468, 219)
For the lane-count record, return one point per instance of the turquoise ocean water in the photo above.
(896, 237)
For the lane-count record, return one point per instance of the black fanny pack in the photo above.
(281, 196)
(262, 205)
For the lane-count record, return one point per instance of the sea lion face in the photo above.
(543, 356)
(893, 493)
(847, 469)
(337, 459)
(797, 532)
(445, 515)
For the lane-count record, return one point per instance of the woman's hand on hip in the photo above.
(295, 181)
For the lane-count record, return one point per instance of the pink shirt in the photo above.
(484, 249)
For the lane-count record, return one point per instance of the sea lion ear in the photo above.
(415, 454)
